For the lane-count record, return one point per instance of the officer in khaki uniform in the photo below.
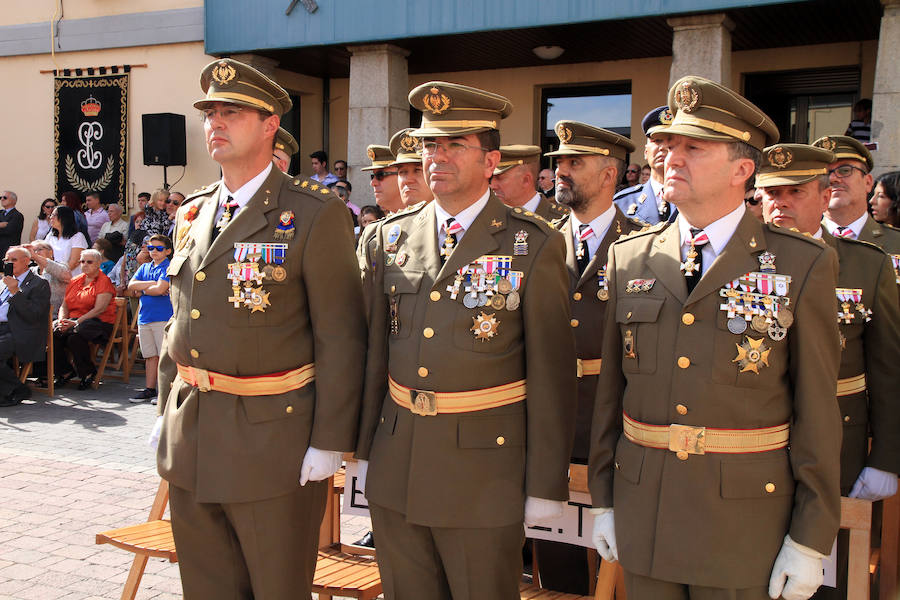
(720, 348)
(285, 148)
(589, 162)
(796, 190)
(469, 402)
(261, 366)
(515, 182)
(406, 150)
(383, 178)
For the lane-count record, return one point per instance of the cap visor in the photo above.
(775, 180)
(209, 103)
(431, 131)
(571, 152)
(701, 133)
(406, 161)
(376, 167)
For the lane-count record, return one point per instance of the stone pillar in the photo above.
(701, 45)
(379, 85)
(886, 93)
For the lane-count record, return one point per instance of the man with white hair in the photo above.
(115, 223)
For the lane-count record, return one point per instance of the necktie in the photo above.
(582, 254)
(693, 264)
(844, 232)
(230, 208)
(451, 227)
(664, 208)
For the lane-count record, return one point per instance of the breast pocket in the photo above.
(401, 288)
(637, 319)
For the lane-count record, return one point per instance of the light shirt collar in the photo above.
(600, 226)
(532, 204)
(465, 217)
(856, 226)
(719, 232)
(656, 186)
(243, 194)
(818, 234)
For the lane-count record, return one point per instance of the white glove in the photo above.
(362, 470)
(319, 464)
(800, 567)
(540, 510)
(874, 484)
(604, 536)
(153, 440)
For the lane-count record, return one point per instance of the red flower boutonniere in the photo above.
(191, 214)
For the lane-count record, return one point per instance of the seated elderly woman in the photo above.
(86, 315)
(56, 273)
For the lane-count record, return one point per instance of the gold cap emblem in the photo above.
(779, 157)
(563, 133)
(687, 97)
(828, 143)
(666, 116)
(408, 143)
(435, 102)
(223, 73)
(370, 153)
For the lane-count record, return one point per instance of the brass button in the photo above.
(681, 409)
(687, 319)
(501, 440)
(576, 296)
(616, 465)
(393, 289)
(770, 487)
(382, 419)
(628, 315)
(429, 332)
(574, 322)
(200, 276)
(682, 455)
(195, 314)
(846, 418)
(435, 296)
(423, 372)
(289, 409)
(684, 362)
(194, 353)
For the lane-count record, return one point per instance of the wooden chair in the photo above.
(118, 339)
(24, 370)
(864, 563)
(890, 540)
(135, 345)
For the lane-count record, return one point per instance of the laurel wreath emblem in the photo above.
(89, 186)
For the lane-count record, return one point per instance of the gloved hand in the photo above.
(604, 536)
(540, 510)
(362, 470)
(153, 440)
(874, 484)
(797, 573)
(319, 464)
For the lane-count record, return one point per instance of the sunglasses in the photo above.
(4, 197)
(381, 175)
(49, 206)
(752, 201)
(632, 171)
(157, 248)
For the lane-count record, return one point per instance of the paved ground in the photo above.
(71, 467)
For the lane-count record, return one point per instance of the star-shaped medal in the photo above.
(485, 326)
(751, 354)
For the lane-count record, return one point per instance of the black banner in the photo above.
(90, 124)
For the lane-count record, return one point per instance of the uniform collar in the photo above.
(243, 194)
(719, 231)
(465, 216)
(532, 204)
(600, 224)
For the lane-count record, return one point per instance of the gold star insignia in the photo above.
(496, 223)
(751, 354)
(314, 187)
(304, 184)
(485, 326)
(258, 299)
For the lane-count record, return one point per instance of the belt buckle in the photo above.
(202, 378)
(579, 367)
(684, 438)
(423, 403)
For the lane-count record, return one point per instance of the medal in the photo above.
(470, 301)
(482, 299)
(401, 258)
(758, 323)
(751, 354)
(504, 286)
(395, 318)
(393, 235)
(389, 259)
(267, 271)
(257, 299)
(628, 344)
(498, 302)
(284, 230)
(512, 300)
(777, 332)
(603, 294)
(785, 317)
(520, 247)
(737, 325)
(484, 326)
(279, 273)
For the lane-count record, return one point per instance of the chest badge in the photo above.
(751, 354)
(485, 326)
(285, 228)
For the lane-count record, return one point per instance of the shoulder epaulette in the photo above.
(646, 230)
(201, 191)
(408, 210)
(863, 243)
(795, 233)
(310, 186)
(527, 215)
(627, 191)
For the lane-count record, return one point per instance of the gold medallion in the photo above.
(603, 294)
(498, 302)
(751, 354)
(564, 133)
(257, 299)
(504, 286)
(758, 323)
(785, 317)
(435, 102)
(485, 326)
(779, 157)
(279, 273)
(687, 97)
(267, 271)
(223, 73)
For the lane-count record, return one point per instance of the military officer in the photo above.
(383, 178)
(260, 367)
(589, 162)
(285, 148)
(515, 182)
(720, 347)
(645, 202)
(469, 402)
(795, 185)
(408, 160)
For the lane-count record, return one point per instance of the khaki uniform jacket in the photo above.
(712, 519)
(884, 236)
(468, 469)
(550, 210)
(230, 448)
(589, 311)
(869, 348)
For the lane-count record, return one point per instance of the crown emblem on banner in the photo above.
(90, 107)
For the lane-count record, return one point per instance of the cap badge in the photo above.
(687, 97)
(666, 116)
(436, 102)
(408, 143)
(564, 133)
(828, 143)
(223, 73)
(779, 157)
(370, 153)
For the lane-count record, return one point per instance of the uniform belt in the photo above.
(428, 403)
(255, 385)
(588, 366)
(686, 439)
(851, 385)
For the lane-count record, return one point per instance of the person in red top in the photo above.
(86, 315)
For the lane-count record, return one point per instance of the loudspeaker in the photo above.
(164, 143)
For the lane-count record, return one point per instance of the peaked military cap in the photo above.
(656, 120)
(380, 156)
(581, 138)
(515, 155)
(406, 148)
(451, 109)
(706, 110)
(285, 142)
(792, 164)
(846, 147)
(227, 80)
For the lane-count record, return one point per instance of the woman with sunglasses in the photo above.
(151, 285)
(86, 315)
(41, 226)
